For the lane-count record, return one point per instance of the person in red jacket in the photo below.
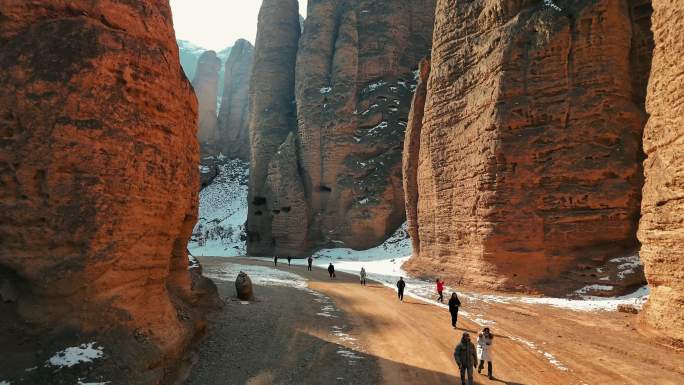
(440, 289)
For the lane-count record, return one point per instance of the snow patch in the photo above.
(549, 357)
(594, 287)
(325, 90)
(80, 382)
(374, 86)
(551, 4)
(220, 229)
(75, 355)
(260, 275)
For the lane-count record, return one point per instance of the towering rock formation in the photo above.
(272, 115)
(99, 172)
(233, 119)
(411, 154)
(528, 162)
(206, 88)
(661, 229)
(354, 82)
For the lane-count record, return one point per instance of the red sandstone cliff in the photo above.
(528, 166)
(233, 118)
(205, 84)
(354, 83)
(661, 229)
(99, 190)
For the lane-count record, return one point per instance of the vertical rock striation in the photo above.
(411, 154)
(98, 170)
(354, 83)
(272, 113)
(661, 230)
(528, 166)
(233, 118)
(205, 84)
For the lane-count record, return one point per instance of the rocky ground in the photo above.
(288, 335)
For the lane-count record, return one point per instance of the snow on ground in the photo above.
(260, 275)
(5, 382)
(75, 355)
(549, 357)
(627, 265)
(220, 229)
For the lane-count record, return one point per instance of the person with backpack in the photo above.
(362, 276)
(454, 303)
(484, 350)
(466, 358)
(400, 288)
(440, 289)
(331, 270)
(310, 261)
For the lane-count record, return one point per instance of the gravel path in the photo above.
(286, 336)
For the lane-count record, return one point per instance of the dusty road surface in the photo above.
(412, 342)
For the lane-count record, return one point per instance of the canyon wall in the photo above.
(354, 83)
(233, 118)
(528, 161)
(661, 229)
(272, 114)
(205, 84)
(99, 191)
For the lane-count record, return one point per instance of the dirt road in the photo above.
(413, 341)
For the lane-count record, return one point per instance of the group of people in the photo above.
(466, 353)
(289, 261)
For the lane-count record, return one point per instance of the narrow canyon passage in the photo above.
(413, 341)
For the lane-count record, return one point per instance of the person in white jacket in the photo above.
(485, 342)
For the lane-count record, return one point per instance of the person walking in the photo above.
(466, 358)
(454, 303)
(440, 289)
(310, 261)
(362, 276)
(275, 260)
(289, 261)
(400, 288)
(331, 270)
(484, 349)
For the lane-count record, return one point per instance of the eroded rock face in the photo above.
(661, 229)
(272, 110)
(528, 167)
(354, 82)
(411, 155)
(205, 84)
(233, 118)
(99, 188)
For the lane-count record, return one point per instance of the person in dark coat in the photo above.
(275, 260)
(466, 358)
(289, 260)
(331, 270)
(310, 260)
(400, 288)
(454, 303)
